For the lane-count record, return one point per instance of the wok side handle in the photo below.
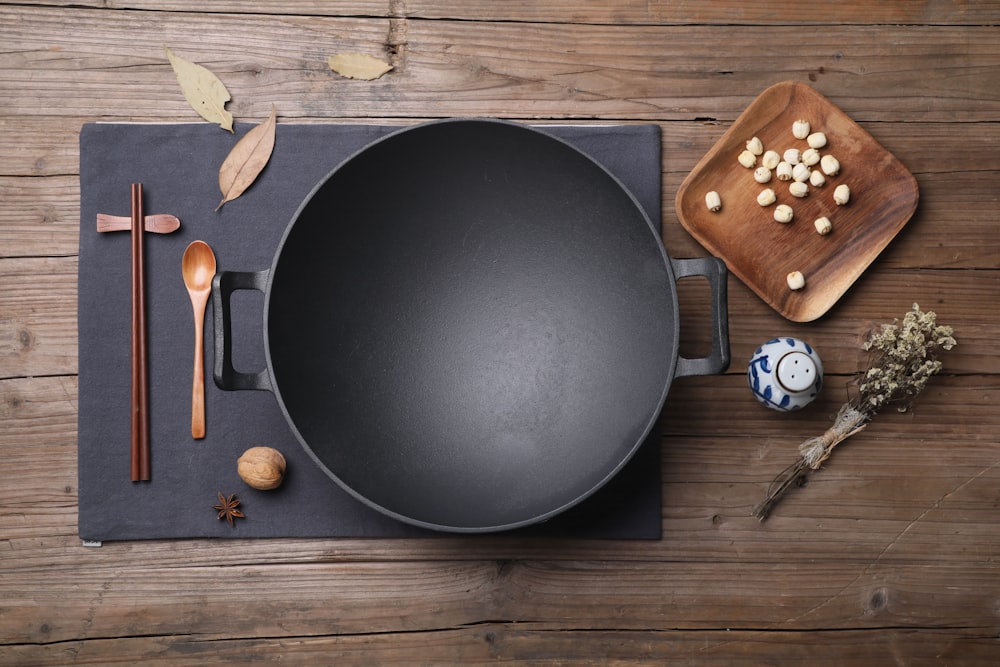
(714, 270)
(223, 286)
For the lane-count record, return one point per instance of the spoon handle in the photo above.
(198, 385)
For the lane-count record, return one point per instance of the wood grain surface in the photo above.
(889, 555)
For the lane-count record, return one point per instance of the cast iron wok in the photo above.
(470, 325)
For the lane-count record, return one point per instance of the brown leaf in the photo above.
(358, 66)
(247, 159)
(203, 90)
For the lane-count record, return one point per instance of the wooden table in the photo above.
(891, 553)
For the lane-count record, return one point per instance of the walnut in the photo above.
(262, 468)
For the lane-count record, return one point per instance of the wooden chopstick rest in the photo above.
(161, 223)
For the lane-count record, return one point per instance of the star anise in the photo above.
(228, 508)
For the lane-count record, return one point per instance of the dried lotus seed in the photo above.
(766, 197)
(801, 173)
(817, 179)
(762, 174)
(830, 165)
(823, 225)
(784, 171)
(842, 194)
(792, 156)
(755, 146)
(816, 140)
(783, 213)
(800, 129)
(810, 156)
(747, 159)
(796, 280)
(713, 201)
(771, 159)
(798, 189)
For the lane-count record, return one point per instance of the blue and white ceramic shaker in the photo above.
(785, 374)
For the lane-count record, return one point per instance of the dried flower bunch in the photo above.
(904, 358)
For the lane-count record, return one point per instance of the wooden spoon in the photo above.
(198, 267)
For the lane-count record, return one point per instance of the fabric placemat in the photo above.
(178, 167)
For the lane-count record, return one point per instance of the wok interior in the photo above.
(471, 325)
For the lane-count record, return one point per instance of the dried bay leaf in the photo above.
(247, 159)
(358, 66)
(203, 90)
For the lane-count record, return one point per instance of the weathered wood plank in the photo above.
(39, 146)
(446, 68)
(728, 12)
(320, 600)
(40, 216)
(519, 643)
(38, 316)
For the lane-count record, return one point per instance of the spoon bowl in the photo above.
(198, 268)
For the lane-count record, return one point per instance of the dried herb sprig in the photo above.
(904, 358)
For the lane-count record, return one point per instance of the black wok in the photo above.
(470, 325)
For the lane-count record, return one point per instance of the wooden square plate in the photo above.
(760, 251)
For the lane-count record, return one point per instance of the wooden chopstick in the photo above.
(140, 400)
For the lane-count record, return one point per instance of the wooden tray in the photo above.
(760, 251)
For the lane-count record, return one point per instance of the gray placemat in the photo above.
(178, 166)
